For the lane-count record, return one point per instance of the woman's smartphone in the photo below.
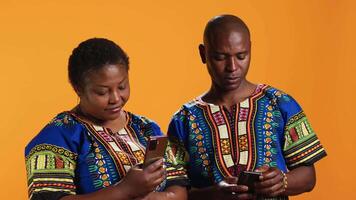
(155, 149)
(248, 178)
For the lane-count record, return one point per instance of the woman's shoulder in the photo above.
(142, 123)
(139, 119)
(59, 132)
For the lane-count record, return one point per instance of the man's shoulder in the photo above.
(275, 93)
(188, 107)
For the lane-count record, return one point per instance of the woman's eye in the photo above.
(101, 93)
(122, 87)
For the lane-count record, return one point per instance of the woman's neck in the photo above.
(115, 124)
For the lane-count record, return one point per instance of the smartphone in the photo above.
(155, 149)
(248, 178)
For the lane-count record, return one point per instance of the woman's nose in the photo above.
(114, 97)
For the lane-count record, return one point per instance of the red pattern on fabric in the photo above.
(218, 118)
(243, 114)
(293, 134)
(59, 162)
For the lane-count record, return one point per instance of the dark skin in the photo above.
(102, 98)
(226, 52)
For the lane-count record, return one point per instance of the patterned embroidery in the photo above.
(52, 148)
(301, 144)
(235, 142)
(123, 150)
(101, 153)
(50, 168)
(260, 130)
(174, 167)
(98, 168)
(225, 146)
(268, 136)
(63, 119)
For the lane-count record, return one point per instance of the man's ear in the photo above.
(202, 53)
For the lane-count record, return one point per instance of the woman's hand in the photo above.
(271, 182)
(139, 182)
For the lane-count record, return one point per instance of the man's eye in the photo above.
(219, 57)
(122, 87)
(241, 56)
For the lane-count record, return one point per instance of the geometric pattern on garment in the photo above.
(123, 146)
(50, 168)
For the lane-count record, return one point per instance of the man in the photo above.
(241, 126)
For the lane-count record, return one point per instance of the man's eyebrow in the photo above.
(241, 52)
(217, 52)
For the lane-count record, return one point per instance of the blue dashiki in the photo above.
(268, 128)
(71, 156)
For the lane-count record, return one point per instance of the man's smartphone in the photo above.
(155, 149)
(248, 178)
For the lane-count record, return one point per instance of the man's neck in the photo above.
(231, 97)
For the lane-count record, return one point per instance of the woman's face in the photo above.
(105, 92)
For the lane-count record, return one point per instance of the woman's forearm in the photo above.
(114, 192)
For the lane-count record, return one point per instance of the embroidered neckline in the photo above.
(109, 130)
(258, 90)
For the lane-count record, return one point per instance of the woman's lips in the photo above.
(115, 109)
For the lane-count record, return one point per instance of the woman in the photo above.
(94, 150)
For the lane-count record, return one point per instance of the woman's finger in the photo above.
(154, 166)
(158, 174)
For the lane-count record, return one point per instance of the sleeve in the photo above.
(50, 164)
(301, 144)
(176, 154)
(175, 173)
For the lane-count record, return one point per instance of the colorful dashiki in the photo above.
(268, 128)
(70, 156)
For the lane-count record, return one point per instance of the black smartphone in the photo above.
(248, 178)
(155, 149)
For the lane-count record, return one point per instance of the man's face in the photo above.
(227, 55)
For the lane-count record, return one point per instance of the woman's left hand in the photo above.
(271, 182)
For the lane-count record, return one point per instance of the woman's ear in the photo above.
(78, 90)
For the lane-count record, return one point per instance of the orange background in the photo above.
(303, 47)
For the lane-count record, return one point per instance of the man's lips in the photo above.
(232, 78)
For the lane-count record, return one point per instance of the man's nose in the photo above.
(232, 63)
